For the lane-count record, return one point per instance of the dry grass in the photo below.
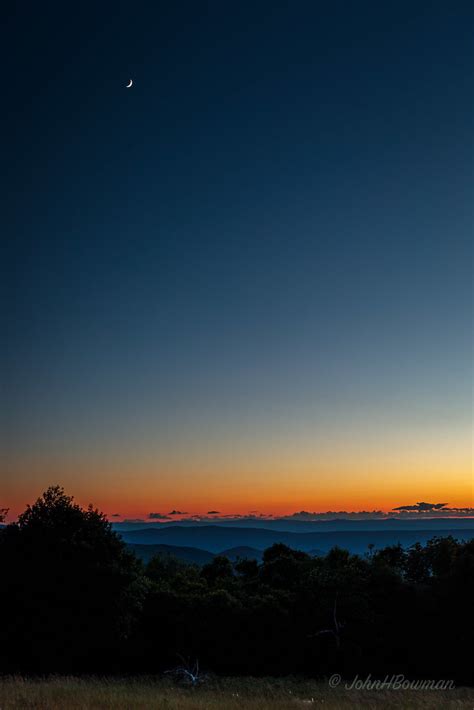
(62, 693)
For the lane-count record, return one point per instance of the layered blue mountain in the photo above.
(354, 536)
(298, 525)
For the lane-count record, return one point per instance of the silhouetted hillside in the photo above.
(242, 553)
(191, 555)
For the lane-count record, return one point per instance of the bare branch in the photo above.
(338, 626)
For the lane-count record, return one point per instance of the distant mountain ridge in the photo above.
(214, 538)
(290, 525)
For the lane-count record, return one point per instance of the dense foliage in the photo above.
(70, 592)
(73, 599)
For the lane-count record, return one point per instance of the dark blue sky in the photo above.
(268, 236)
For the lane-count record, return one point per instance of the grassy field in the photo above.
(62, 693)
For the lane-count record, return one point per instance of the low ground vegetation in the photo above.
(219, 693)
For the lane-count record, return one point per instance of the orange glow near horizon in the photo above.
(270, 485)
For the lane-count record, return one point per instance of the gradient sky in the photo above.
(245, 283)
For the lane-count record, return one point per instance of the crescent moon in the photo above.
(129, 85)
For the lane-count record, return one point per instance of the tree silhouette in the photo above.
(74, 599)
(74, 588)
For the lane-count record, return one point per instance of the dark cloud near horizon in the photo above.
(409, 511)
(423, 507)
(115, 515)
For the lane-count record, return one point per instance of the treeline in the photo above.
(74, 599)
